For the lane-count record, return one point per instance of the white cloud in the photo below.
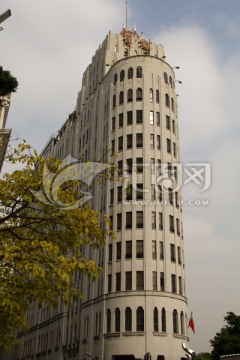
(209, 123)
(47, 48)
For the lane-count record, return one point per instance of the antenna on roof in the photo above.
(126, 14)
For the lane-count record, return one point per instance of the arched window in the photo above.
(151, 95)
(121, 98)
(108, 321)
(139, 94)
(157, 96)
(175, 321)
(170, 81)
(130, 73)
(135, 52)
(130, 95)
(173, 108)
(128, 319)
(139, 72)
(125, 52)
(115, 79)
(114, 101)
(140, 319)
(182, 322)
(167, 100)
(164, 327)
(155, 319)
(117, 320)
(165, 78)
(122, 75)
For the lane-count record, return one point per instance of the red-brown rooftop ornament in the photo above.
(144, 45)
(128, 36)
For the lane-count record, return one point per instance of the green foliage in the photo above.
(204, 356)
(227, 341)
(40, 245)
(8, 83)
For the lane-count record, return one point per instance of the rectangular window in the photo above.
(120, 167)
(158, 118)
(173, 126)
(175, 172)
(128, 249)
(139, 117)
(110, 252)
(140, 280)
(160, 219)
(174, 150)
(179, 255)
(153, 220)
(180, 285)
(119, 193)
(139, 140)
(162, 281)
(119, 221)
(111, 196)
(168, 122)
(160, 193)
(154, 249)
(176, 199)
(154, 280)
(111, 222)
(109, 283)
(151, 117)
(172, 253)
(170, 196)
(120, 143)
(171, 223)
(174, 285)
(118, 281)
(129, 192)
(129, 166)
(129, 141)
(139, 249)
(158, 142)
(128, 220)
(153, 192)
(129, 117)
(169, 146)
(113, 146)
(139, 165)
(178, 226)
(118, 250)
(152, 166)
(139, 219)
(128, 281)
(120, 120)
(139, 192)
(113, 123)
(161, 249)
(151, 141)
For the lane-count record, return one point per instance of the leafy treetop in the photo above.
(40, 245)
(8, 83)
(227, 341)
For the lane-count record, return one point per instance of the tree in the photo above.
(204, 356)
(227, 341)
(41, 244)
(8, 83)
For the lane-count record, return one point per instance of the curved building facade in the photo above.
(126, 115)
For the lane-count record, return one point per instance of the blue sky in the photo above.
(47, 46)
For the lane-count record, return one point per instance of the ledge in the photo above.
(131, 333)
(111, 335)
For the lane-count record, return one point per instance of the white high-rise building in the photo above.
(126, 114)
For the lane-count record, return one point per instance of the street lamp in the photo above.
(4, 16)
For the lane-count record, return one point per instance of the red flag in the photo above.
(191, 323)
